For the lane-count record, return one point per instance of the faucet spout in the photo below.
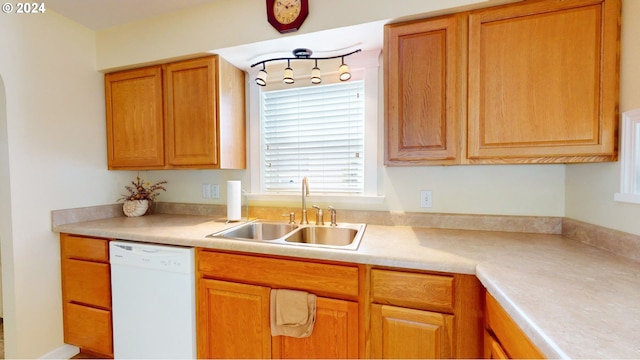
(305, 193)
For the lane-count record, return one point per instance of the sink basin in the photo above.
(258, 231)
(342, 236)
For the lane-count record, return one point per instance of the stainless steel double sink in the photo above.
(341, 236)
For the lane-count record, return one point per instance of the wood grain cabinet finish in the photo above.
(420, 315)
(424, 74)
(402, 333)
(233, 307)
(503, 338)
(86, 293)
(543, 82)
(187, 114)
(135, 121)
(530, 82)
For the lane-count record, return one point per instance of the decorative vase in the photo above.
(133, 208)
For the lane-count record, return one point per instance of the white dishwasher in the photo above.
(153, 301)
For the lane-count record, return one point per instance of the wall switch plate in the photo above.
(425, 198)
(215, 191)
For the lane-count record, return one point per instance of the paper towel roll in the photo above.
(234, 200)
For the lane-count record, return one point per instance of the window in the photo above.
(317, 132)
(630, 158)
(342, 164)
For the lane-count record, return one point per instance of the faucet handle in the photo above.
(319, 215)
(292, 218)
(333, 216)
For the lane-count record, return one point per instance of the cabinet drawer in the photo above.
(413, 290)
(323, 279)
(88, 248)
(88, 328)
(512, 339)
(86, 282)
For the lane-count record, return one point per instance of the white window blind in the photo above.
(317, 132)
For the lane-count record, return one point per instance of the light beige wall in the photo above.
(590, 187)
(53, 155)
(226, 23)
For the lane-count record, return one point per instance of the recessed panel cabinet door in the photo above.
(191, 112)
(233, 321)
(135, 119)
(543, 82)
(423, 64)
(401, 333)
(335, 334)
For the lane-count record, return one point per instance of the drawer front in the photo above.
(86, 282)
(513, 340)
(331, 280)
(87, 248)
(412, 290)
(88, 328)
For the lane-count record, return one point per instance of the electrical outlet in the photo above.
(215, 191)
(425, 198)
(206, 191)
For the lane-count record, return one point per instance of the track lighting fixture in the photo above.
(302, 54)
(261, 79)
(287, 78)
(343, 71)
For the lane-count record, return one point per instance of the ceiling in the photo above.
(102, 14)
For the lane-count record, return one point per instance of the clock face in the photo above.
(287, 11)
(287, 15)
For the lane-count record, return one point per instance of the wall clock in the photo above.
(287, 15)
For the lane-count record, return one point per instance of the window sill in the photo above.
(627, 197)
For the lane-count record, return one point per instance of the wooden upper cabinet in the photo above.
(135, 129)
(424, 73)
(543, 82)
(191, 112)
(186, 114)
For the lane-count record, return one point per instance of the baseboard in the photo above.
(65, 351)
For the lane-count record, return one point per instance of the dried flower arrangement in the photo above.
(143, 190)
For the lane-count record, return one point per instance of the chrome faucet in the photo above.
(305, 193)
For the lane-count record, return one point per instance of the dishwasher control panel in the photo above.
(155, 257)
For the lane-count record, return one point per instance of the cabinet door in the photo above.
(134, 119)
(233, 320)
(191, 112)
(539, 96)
(406, 333)
(423, 73)
(335, 334)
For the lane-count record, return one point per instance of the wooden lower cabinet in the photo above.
(492, 348)
(424, 315)
(403, 333)
(233, 320)
(86, 294)
(335, 334)
(503, 338)
(234, 305)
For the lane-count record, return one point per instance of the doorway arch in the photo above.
(6, 241)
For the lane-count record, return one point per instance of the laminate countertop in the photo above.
(571, 299)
